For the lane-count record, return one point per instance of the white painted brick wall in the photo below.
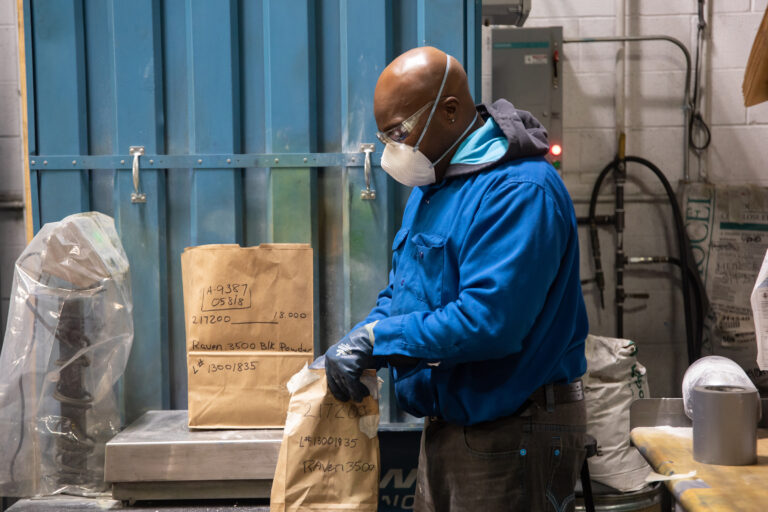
(10, 109)
(9, 102)
(572, 8)
(731, 5)
(736, 154)
(598, 57)
(654, 85)
(12, 239)
(655, 99)
(588, 100)
(8, 12)
(727, 104)
(732, 37)
(656, 7)
(654, 81)
(659, 55)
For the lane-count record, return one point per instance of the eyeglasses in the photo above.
(401, 132)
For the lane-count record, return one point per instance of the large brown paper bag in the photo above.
(248, 318)
(329, 457)
(248, 298)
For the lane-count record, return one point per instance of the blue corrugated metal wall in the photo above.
(212, 84)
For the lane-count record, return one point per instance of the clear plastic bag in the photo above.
(712, 371)
(69, 333)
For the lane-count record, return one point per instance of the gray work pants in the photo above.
(526, 462)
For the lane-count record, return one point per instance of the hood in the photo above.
(526, 137)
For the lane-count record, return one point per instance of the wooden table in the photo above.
(669, 450)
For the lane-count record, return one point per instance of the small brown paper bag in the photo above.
(329, 457)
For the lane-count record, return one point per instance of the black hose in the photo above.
(693, 344)
(619, 179)
(599, 277)
(693, 332)
(21, 432)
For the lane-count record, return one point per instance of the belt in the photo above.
(552, 394)
(558, 394)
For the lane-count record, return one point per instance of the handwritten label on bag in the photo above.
(330, 416)
(323, 437)
(222, 297)
(249, 298)
(235, 346)
(221, 366)
(334, 414)
(233, 390)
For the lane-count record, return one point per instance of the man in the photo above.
(483, 321)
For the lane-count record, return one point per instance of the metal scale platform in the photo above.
(159, 458)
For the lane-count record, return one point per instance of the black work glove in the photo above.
(345, 362)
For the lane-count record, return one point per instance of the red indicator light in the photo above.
(556, 149)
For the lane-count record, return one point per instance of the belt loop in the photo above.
(549, 393)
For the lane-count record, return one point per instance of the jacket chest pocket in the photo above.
(419, 273)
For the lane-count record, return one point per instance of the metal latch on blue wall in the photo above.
(136, 196)
(367, 193)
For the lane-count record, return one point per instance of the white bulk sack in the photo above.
(614, 380)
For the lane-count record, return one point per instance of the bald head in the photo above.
(410, 82)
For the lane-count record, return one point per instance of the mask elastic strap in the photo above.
(471, 124)
(434, 107)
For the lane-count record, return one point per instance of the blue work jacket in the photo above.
(485, 292)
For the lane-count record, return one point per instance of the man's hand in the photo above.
(345, 362)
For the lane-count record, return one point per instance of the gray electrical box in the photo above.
(523, 66)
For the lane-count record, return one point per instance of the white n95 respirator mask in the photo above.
(407, 164)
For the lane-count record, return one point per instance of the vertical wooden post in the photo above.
(28, 220)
